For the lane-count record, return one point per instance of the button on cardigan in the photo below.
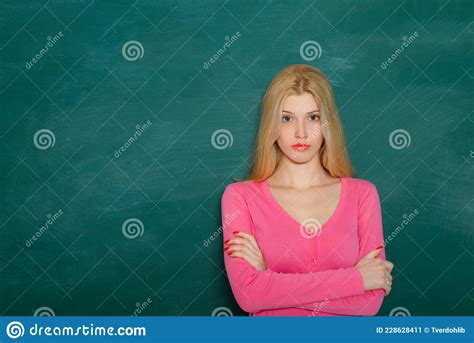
(309, 273)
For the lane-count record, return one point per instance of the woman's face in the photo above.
(300, 134)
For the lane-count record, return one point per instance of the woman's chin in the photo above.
(300, 157)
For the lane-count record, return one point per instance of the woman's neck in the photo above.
(300, 175)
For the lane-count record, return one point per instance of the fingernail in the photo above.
(379, 247)
(226, 241)
(235, 232)
(226, 248)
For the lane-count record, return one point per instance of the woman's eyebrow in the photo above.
(306, 113)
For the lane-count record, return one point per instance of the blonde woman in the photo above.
(302, 237)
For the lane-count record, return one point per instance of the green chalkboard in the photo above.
(122, 122)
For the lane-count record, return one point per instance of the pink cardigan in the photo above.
(307, 274)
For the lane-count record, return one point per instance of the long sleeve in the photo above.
(370, 233)
(256, 290)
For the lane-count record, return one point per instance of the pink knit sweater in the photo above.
(307, 274)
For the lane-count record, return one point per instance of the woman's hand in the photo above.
(245, 246)
(376, 272)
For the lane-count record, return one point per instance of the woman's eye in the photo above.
(285, 119)
(314, 117)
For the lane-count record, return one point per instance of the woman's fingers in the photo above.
(243, 249)
(243, 242)
(387, 288)
(388, 282)
(245, 246)
(250, 238)
(388, 276)
(246, 242)
(376, 273)
(389, 266)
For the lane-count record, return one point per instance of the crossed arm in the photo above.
(338, 291)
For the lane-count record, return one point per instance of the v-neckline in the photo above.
(266, 186)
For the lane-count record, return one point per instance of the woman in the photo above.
(303, 237)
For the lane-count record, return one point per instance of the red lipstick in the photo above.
(300, 147)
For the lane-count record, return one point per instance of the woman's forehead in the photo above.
(300, 104)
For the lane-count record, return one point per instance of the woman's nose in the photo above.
(301, 131)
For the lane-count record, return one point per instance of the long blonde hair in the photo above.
(297, 79)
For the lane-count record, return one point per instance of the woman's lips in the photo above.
(300, 147)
